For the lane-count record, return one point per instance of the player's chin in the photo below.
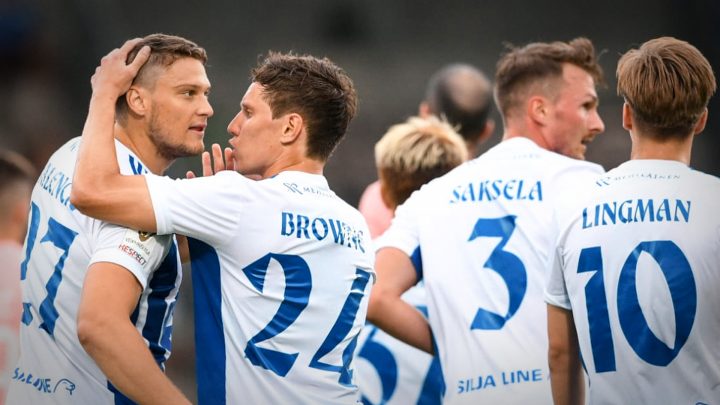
(189, 149)
(579, 152)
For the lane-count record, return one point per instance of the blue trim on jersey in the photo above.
(209, 334)
(433, 387)
(436, 367)
(416, 259)
(161, 286)
(137, 167)
(118, 397)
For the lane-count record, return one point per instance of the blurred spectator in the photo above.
(17, 176)
(459, 94)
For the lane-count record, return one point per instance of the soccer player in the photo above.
(459, 94)
(98, 299)
(482, 236)
(408, 156)
(17, 176)
(634, 288)
(282, 267)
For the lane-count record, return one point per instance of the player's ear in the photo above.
(700, 125)
(538, 109)
(292, 128)
(627, 117)
(137, 100)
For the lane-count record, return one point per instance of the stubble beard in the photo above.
(164, 143)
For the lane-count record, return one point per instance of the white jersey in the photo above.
(640, 269)
(394, 373)
(282, 269)
(61, 243)
(482, 238)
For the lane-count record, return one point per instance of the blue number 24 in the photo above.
(61, 237)
(678, 274)
(298, 284)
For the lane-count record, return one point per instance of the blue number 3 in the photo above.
(62, 237)
(505, 264)
(298, 284)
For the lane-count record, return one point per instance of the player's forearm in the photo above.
(97, 162)
(566, 380)
(122, 355)
(566, 376)
(399, 319)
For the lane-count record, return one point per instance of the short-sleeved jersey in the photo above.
(282, 269)
(61, 243)
(482, 238)
(639, 266)
(392, 372)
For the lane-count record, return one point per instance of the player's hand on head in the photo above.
(114, 76)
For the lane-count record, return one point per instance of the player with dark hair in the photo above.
(281, 266)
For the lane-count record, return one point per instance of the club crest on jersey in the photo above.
(139, 245)
(145, 235)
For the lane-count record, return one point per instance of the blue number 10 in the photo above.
(677, 273)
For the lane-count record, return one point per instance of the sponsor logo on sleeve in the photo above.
(139, 245)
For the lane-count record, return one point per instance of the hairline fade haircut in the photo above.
(668, 84)
(164, 51)
(538, 65)
(412, 153)
(316, 89)
(462, 95)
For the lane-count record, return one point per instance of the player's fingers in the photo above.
(129, 44)
(206, 167)
(140, 59)
(219, 164)
(229, 159)
(189, 174)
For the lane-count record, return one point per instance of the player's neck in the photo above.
(538, 140)
(139, 143)
(674, 149)
(305, 165)
(519, 128)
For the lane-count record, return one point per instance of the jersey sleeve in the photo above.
(205, 208)
(555, 288)
(403, 233)
(138, 252)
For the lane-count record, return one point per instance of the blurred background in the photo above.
(50, 48)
